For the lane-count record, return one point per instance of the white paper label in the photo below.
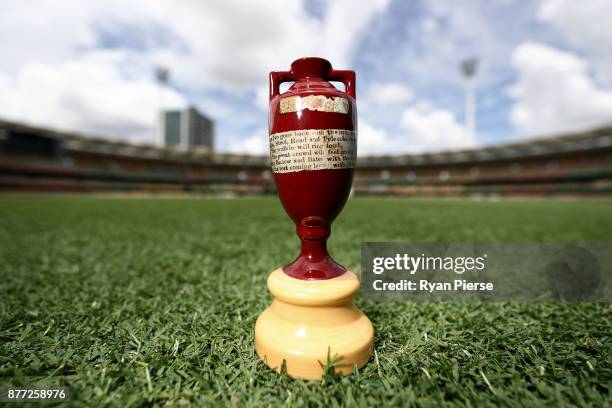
(319, 103)
(313, 149)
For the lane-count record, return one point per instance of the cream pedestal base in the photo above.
(311, 320)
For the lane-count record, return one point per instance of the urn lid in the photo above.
(311, 67)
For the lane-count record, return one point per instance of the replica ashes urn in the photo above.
(313, 149)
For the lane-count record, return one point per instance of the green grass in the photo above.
(140, 302)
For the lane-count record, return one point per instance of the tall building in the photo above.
(186, 128)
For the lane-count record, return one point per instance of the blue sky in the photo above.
(88, 66)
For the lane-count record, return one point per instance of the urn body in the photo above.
(313, 148)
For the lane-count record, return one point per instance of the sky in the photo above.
(545, 66)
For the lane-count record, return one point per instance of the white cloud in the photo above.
(586, 26)
(430, 25)
(452, 31)
(430, 129)
(391, 93)
(372, 140)
(554, 92)
(423, 129)
(345, 22)
(262, 97)
(57, 73)
(257, 143)
(47, 31)
(89, 94)
(261, 36)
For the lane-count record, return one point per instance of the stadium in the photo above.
(139, 226)
(41, 159)
(124, 297)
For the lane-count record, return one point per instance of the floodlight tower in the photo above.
(162, 75)
(468, 69)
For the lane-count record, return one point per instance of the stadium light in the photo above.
(162, 76)
(469, 67)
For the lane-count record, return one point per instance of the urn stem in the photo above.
(314, 249)
(314, 261)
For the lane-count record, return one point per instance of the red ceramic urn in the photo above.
(313, 149)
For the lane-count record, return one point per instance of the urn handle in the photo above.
(277, 78)
(346, 77)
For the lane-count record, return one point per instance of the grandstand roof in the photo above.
(579, 141)
(99, 145)
(542, 146)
